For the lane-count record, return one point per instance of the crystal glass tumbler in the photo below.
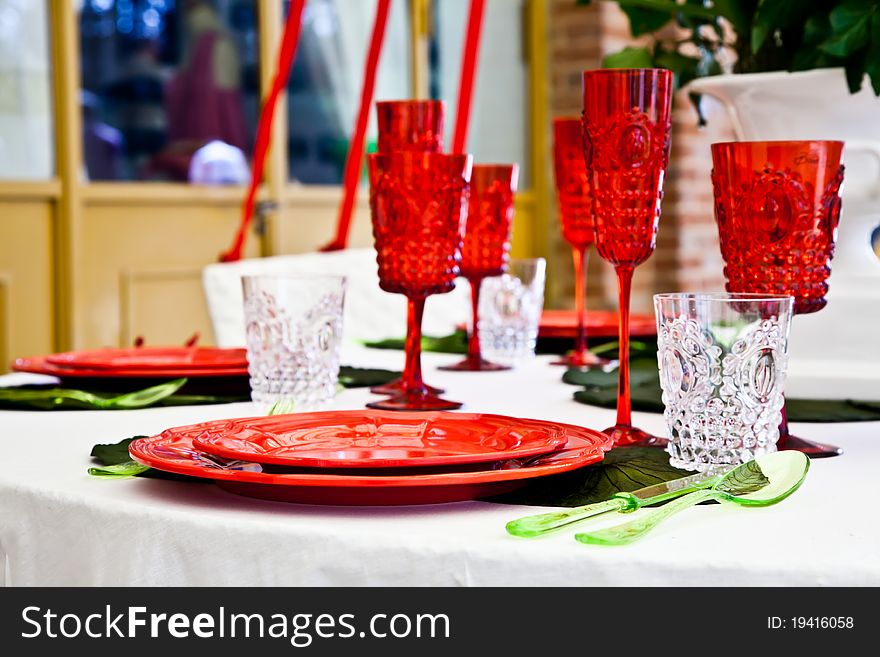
(510, 309)
(294, 334)
(723, 359)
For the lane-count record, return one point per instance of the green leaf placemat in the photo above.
(115, 463)
(359, 377)
(624, 469)
(454, 343)
(600, 389)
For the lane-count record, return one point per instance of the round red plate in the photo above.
(380, 439)
(173, 451)
(40, 365)
(600, 324)
(153, 358)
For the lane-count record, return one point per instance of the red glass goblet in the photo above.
(627, 120)
(777, 205)
(409, 125)
(576, 217)
(486, 246)
(418, 203)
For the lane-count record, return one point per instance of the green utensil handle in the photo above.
(633, 530)
(542, 523)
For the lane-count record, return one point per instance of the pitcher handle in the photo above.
(871, 148)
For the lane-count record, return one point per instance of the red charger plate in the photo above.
(380, 439)
(173, 451)
(600, 324)
(153, 358)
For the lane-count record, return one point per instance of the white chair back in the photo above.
(370, 313)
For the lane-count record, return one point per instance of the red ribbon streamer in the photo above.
(468, 71)
(286, 53)
(356, 147)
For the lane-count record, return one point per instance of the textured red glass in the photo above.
(626, 125)
(486, 246)
(410, 125)
(777, 205)
(418, 203)
(576, 217)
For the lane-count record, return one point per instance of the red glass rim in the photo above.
(484, 175)
(782, 143)
(628, 72)
(409, 160)
(426, 103)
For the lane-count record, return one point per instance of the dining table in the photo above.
(60, 526)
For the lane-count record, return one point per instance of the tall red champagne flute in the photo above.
(576, 217)
(777, 205)
(627, 120)
(409, 125)
(486, 246)
(418, 204)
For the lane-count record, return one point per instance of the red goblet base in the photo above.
(586, 361)
(396, 387)
(415, 400)
(628, 436)
(474, 365)
(811, 449)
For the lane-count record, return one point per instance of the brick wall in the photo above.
(687, 256)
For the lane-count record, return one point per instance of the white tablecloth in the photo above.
(59, 526)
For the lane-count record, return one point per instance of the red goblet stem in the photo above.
(412, 371)
(579, 253)
(474, 354)
(624, 285)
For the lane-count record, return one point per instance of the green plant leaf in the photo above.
(684, 67)
(629, 57)
(643, 21)
(773, 15)
(872, 67)
(850, 24)
(737, 12)
(622, 470)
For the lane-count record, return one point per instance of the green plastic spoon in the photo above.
(544, 523)
(765, 481)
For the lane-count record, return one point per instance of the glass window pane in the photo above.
(498, 129)
(325, 82)
(26, 137)
(170, 89)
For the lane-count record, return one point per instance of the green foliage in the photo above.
(768, 35)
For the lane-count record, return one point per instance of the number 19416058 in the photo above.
(810, 623)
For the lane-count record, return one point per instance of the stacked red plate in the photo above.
(599, 323)
(139, 366)
(369, 457)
